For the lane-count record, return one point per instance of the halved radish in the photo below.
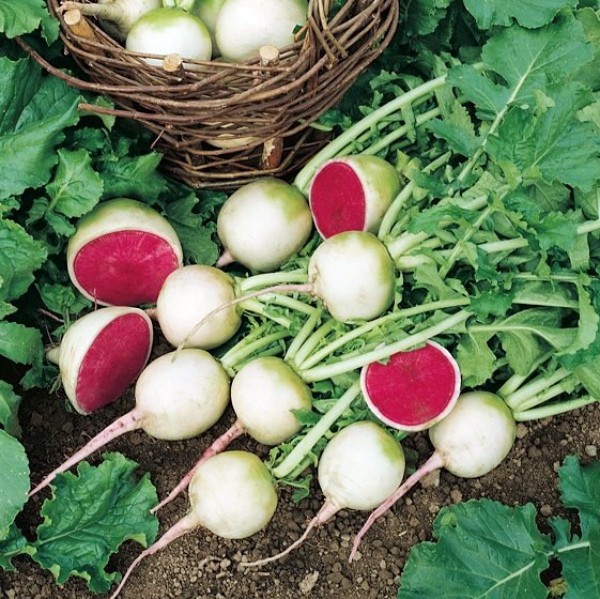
(101, 354)
(122, 252)
(352, 193)
(414, 389)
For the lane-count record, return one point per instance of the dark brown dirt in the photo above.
(202, 566)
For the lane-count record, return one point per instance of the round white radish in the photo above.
(352, 193)
(359, 468)
(177, 396)
(413, 389)
(101, 354)
(165, 31)
(264, 394)
(232, 495)
(263, 223)
(116, 16)
(121, 253)
(244, 26)
(354, 275)
(187, 296)
(208, 11)
(470, 441)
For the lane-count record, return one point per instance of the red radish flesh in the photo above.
(414, 389)
(114, 360)
(135, 265)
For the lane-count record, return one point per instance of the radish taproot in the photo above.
(167, 31)
(352, 193)
(469, 442)
(359, 468)
(263, 223)
(101, 354)
(116, 16)
(413, 389)
(232, 495)
(121, 253)
(264, 394)
(174, 400)
(244, 26)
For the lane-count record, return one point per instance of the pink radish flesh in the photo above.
(125, 268)
(113, 361)
(414, 389)
(337, 200)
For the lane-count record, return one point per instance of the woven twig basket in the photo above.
(221, 124)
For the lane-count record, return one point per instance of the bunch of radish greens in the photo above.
(475, 192)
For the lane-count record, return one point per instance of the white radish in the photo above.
(359, 468)
(264, 394)
(263, 223)
(101, 354)
(174, 399)
(244, 26)
(232, 495)
(469, 442)
(165, 31)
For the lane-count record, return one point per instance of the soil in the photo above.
(201, 566)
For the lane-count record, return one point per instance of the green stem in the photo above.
(313, 341)
(566, 386)
(271, 278)
(307, 328)
(553, 409)
(326, 371)
(538, 385)
(232, 360)
(285, 301)
(299, 452)
(257, 307)
(515, 381)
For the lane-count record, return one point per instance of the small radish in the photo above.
(101, 354)
(263, 223)
(165, 31)
(352, 193)
(414, 389)
(121, 253)
(471, 441)
(186, 296)
(359, 468)
(175, 399)
(206, 10)
(264, 394)
(232, 495)
(116, 16)
(244, 26)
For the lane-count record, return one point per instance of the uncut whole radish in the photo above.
(175, 399)
(264, 394)
(469, 442)
(101, 354)
(232, 495)
(359, 468)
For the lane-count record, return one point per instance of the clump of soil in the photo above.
(201, 566)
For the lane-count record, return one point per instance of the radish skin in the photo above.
(471, 441)
(232, 495)
(175, 400)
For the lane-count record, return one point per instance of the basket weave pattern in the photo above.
(264, 106)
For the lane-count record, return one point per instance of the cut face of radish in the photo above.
(101, 354)
(352, 194)
(122, 252)
(414, 389)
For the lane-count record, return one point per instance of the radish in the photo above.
(264, 394)
(186, 296)
(165, 31)
(175, 399)
(101, 354)
(206, 10)
(263, 223)
(352, 193)
(116, 16)
(121, 253)
(232, 495)
(471, 441)
(244, 26)
(414, 389)
(359, 468)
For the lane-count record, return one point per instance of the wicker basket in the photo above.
(221, 124)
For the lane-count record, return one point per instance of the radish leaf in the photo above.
(14, 480)
(24, 16)
(9, 406)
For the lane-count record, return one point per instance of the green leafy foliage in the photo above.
(516, 552)
(18, 17)
(14, 481)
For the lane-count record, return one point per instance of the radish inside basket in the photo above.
(221, 124)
